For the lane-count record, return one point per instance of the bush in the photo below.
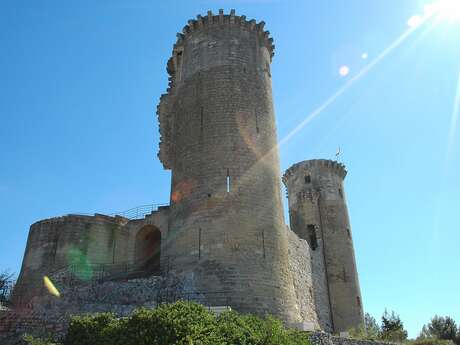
(430, 341)
(233, 328)
(92, 329)
(369, 330)
(392, 328)
(441, 328)
(34, 341)
(181, 323)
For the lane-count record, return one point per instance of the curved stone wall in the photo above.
(226, 227)
(73, 240)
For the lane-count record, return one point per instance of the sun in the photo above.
(445, 9)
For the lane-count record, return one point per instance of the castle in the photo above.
(223, 235)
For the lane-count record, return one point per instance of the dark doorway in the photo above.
(148, 249)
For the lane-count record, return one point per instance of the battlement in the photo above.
(206, 23)
(211, 21)
(315, 164)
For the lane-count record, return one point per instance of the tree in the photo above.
(369, 330)
(441, 328)
(392, 328)
(372, 328)
(6, 286)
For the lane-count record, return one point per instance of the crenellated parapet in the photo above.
(177, 71)
(211, 21)
(315, 165)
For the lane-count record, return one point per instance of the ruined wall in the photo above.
(72, 240)
(300, 266)
(304, 214)
(319, 212)
(218, 137)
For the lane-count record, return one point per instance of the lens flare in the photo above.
(50, 287)
(344, 71)
(79, 264)
(414, 21)
(315, 113)
(182, 190)
(453, 124)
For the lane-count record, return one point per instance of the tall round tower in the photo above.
(218, 136)
(318, 213)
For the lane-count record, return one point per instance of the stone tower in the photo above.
(318, 213)
(226, 233)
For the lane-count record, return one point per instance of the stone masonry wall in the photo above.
(321, 338)
(68, 240)
(300, 266)
(50, 314)
(217, 122)
(323, 185)
(81, 243)
(305, 220)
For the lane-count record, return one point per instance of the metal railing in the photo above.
(96, 273)
(138, 212)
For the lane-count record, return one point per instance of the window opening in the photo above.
(312, 239)
(263, 242)
(201, 119)
(199, 243)
(307, 179)
(228, 181)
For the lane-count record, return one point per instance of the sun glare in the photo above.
(445, 9)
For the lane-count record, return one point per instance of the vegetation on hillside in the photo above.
(439, 331)
(181, 323)
(186, 323)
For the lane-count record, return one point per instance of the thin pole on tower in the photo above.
(337, 154)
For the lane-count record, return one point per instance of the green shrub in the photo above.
(96, 329)
(36, 341)
(181, 323)
(430, 341)
(361, 333)
(233, 328)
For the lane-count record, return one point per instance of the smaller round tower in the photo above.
(318, 214)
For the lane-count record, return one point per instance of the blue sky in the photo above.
(80, 81)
